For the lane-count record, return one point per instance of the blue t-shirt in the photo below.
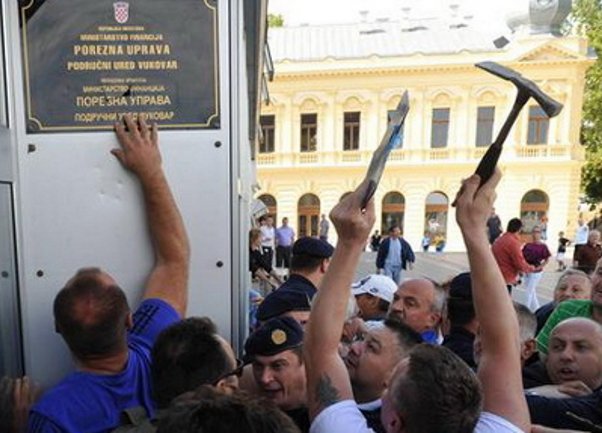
(92, 403)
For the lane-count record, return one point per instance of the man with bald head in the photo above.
(591, 309)
(575, 352)
(574, 363)
(419, 304)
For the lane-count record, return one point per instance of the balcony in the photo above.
(541, 153)
(306, 158)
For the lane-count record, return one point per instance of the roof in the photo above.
(385, 39)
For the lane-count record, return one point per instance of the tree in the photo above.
(587, 19)
(275, 20)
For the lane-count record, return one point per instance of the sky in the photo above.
(298, 12)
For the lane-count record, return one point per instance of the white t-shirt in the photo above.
(345, 417)
(581, 235)
(267, 236)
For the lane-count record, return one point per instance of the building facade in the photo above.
(329, 104)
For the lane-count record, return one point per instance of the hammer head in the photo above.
(524, 85)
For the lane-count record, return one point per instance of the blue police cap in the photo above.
(274, 336)
(312, 247)
(281, 301)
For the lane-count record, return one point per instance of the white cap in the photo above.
(380, 286)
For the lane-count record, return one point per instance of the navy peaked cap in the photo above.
(312, 247)
(281, 301)
(274, 336)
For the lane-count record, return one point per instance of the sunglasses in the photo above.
(240, 365)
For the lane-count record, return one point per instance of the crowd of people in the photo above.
(325, 354)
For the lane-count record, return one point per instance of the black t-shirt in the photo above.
(562, 243)
(300, 417)
(461, 342)
(259, 260)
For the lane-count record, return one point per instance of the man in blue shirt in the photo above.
(111, 348)
(285, 236)
(394, 254)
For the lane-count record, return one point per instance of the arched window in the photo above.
(270, 202)
(393, 207)
(533, 210)
(308, 215)
(435, 216)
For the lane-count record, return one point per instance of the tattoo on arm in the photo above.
(326, 393)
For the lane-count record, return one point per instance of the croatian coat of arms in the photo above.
(122, 11)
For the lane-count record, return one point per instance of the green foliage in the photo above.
(587, 20)
(275, 20)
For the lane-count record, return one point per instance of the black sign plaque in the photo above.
(86, 63)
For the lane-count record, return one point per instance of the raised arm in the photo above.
(140, 154)
(499, 368)
(327, 377)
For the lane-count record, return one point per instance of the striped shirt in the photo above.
(565, 310)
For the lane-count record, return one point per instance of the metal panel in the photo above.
(10, 347)
(3, 93)
(6, 154)
(78, 207)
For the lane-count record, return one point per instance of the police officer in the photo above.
(309, 263)
(275, 351)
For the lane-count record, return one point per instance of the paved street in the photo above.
(441, 267)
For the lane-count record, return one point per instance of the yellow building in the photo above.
(328, 111)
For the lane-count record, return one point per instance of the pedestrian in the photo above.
(285, 236)
(324, 226)
(375, 240)
(426, 242)
(581, 235)
(543, 222)
(508, 254)
(268, 235)
(260, 264)
(588, 255)
(560, 253)
(439, 243)
(494, 227)
(394, 254)
(536, 253)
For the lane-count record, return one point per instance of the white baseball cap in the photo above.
(380, 286)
